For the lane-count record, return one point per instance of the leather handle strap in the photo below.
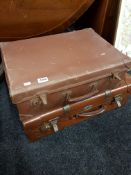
(81, 98)
(92, 113)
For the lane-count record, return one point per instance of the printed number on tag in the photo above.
(42, 80)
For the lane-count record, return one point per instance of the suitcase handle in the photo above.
(93, 113)
(81, 98)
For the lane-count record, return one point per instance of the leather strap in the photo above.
(81, 98)
(92, 113)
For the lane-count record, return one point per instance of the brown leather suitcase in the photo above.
(28, 18)
(60, 80)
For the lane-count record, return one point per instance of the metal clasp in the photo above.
(36, 101)
(51, 124)
(116, 76)
(54, 124)
(118, 100)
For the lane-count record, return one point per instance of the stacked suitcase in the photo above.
(60, 80)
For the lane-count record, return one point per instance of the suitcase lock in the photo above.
(38, 100)
(118, 100)
(116, 75)
(51, 124)
(54, 123)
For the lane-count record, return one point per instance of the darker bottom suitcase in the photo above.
(60, 80)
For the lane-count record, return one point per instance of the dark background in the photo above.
(99, 146)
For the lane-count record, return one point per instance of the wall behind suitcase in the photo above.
(123, 38)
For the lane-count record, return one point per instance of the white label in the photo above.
(42, 80)
(27, 83)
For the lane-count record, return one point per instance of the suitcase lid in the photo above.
(58, 62)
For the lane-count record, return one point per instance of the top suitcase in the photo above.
(60, 61)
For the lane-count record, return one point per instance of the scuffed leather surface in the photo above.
(99, 146)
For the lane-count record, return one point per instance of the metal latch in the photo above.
(118, 100)
(51, 124)
(54, 124)
(116, 75)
